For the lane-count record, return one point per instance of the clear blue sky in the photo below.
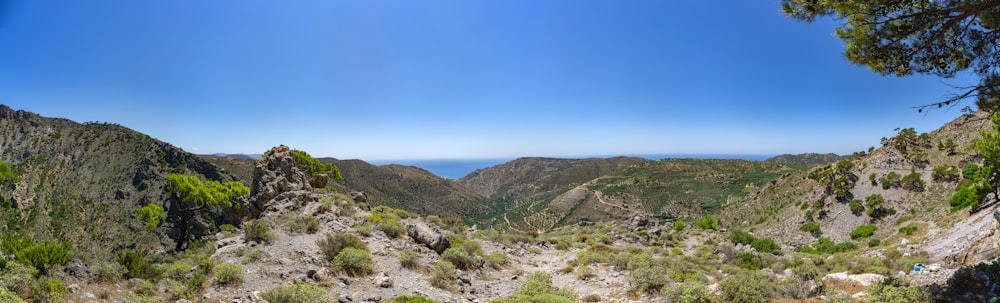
(456, 78)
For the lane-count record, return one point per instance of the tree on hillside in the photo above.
(7, 180)
(902, 38)
(193, 196)
(989, 148)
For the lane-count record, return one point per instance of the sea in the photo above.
(457, 168)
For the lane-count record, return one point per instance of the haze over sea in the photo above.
(457, 168)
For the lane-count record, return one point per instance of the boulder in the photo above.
(276, 172)
(359, 196)
(424, 233)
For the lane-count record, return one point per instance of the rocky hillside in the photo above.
(83, 183)
(900, 190)
(541, 193)
(808, 159)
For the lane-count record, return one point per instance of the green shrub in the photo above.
(306, 162)
(442, 275)
(740, 237)
(412, 299)
(688, 292)
(945, 173)
(824, 245)
(970, 171)
(152, 214)
(364, 229)
(539, 288)
(10, 243)
(44, 255)
(895, 290)
(464, 254)
(258, 231)
(908, 230)
(857, 206)
(863, 231)
(108, 272)
(303, 223)
(876, 207)
(647, 273)
(48, 289)
(409, 258)
(228, 274)
(810, 227)
(138, 298)
(707, 223)
(747, 287)
(965, 197)
(679, 225)
(749, 260)
(842, 187)
(912, 182)
(874, 242)
(136, 265)
(8, 296)
(392, 227)
(14, 275)
(297, 293)
(354, 261)
(497, 260)
(764, 245)
(332, 244)
(249, 255)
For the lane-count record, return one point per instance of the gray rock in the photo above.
(78, 269)
(343, 298)
(423, 233)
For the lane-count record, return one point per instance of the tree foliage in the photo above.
(902, 38)
(313, 166)
(193, 195)
(152, 214)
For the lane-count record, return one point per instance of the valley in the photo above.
(96, 215)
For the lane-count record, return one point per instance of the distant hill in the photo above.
(541, 193)
(808, 159)
(83, 183)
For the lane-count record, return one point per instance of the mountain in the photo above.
(83, 183)
(902, 172)
(408, 187)
(808, 159)
(542, 193)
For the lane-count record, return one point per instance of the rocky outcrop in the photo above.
(275, 173)
(423, 233)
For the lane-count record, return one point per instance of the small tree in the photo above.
(193, 196)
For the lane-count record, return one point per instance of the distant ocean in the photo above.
(457, 168)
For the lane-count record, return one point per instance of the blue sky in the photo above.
(456, 78)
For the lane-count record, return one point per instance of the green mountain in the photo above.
(82, 183)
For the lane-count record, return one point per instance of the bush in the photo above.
(13, 275)
(136, 265)
(442, 275)
(970, 171)
(152, 214)
(48, 289)
(741, 237)
(412, 299)
(764, 245)
(466, 255)
(8, 296)
(138, 298)
(497, 260)
(896, 290)
(688, 292)
(332, 244)
(354, 261)
(945, 173)
(647, 273)
(539, 288)
(965, 197)
(258, 231)
(863, 231)
(707, 223)
(297, 293)
(365, 229)
(392, 227)
(44, 255)
(108, 272)
(891, 180)
(842, 187)
(228, 274)
(679, 225)
(303, 223)
(810, 227)
(912, 182)
(857, 207)
(747, 287)
(874, 242)
(409, 259)
(908, 230)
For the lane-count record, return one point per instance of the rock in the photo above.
(638, 222)
(90, 295)
(359, 196)
(385, 281)
(346, 280)
(275, 173)
(77, 269)
(182, 301)
(73, 288)
(423, 233)
(343, 298)
(463, 277)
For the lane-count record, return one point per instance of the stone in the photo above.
(423, 233)
(77, 269)
(343, 298)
